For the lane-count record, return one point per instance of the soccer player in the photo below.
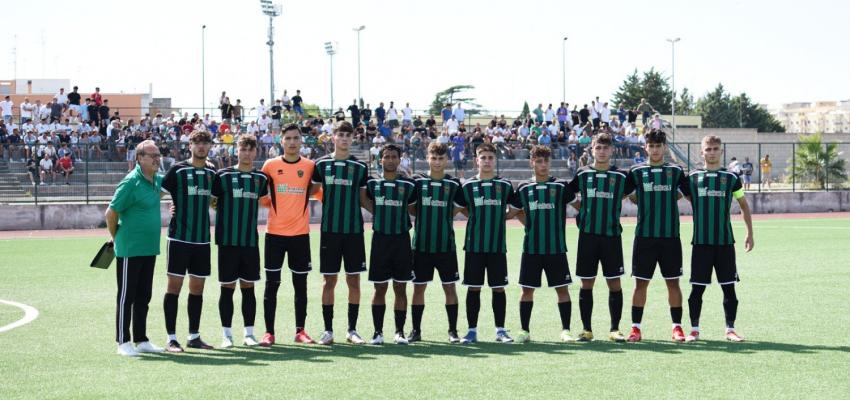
(288, 231)
(342, 178)
(486, 197)
(543, 202)
(602, 188)
(434, 239)
(712, 189)
(657, 185)
(190, 184)
(390, 259)
(237, 190)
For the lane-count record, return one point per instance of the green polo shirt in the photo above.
(136, 201)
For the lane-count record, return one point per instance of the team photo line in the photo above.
(342, 183)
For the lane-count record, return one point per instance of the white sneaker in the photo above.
(250, 340)
(148, 347)
(354, 338)
(127, 350)
(400, 339)
(327, 338)
(226, 342)
(378, 339)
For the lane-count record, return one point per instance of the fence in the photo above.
(98, 168)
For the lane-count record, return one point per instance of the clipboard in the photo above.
(104, 256)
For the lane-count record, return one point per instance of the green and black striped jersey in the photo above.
(436, 199)
(390, 199)
(190, 190)
(486, 200)
(341, 182)
(545, 208)
(711, 197)
(238, 196)
(657, 191)
(602, 195)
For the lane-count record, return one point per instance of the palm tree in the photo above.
(818, 162)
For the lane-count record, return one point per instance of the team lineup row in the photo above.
(341, 182)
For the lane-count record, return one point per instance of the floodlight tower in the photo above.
(272, 11)
(331, 50)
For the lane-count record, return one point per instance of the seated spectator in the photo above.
(66, 167)
(32, 169)
(46, 167)
(639, 159)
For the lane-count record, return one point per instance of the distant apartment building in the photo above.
(811, 117)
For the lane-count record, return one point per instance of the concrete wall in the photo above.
(79, 216)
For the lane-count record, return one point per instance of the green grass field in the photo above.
(794, 312)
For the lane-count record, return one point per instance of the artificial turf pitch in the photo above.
(793, 310)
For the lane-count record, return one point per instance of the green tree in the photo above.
(818, 162)
(685, 103)
(719, 109)
(525, 111)
(651, 86)
(451, 96)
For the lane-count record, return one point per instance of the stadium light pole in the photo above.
(358, 30)
(329, 48)
(272, 11)
(203, 62)
(673, 79)
(564, 69)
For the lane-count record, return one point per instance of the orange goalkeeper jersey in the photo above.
(290, 188)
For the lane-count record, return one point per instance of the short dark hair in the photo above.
(390, 147)
(656, 136)
(485, 147)
(438, 149)
(602, 138)
(344, 126)
(246, 140)
(290, 127)
(540, 151)
(200, 137)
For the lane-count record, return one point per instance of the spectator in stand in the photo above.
(747, 170)
(639, 159)
(572, 164)
(286, 102)
(297, 103)
(32, 169)
(645, 109)
(27, 111)
(621, 113)
(392, 116)
(766, 168)
(276, 113)
(226, 109)
(549, 115)
(538, 113)
(66, 167)
(237, 112)
(563, 114)
(355, 113)
(103, 113)
(264, 123)
(46, 167)
(446, 112)
(605, 114)
(406, 115)
(96, 97)
(734, 167)
(6, 109)
(458, 154)
(262, 109)
(366, 114)
(584, 115)
(656, 123)
(459, 113)
(74, 101)
(452, 125)
(380, 114)
(594, 114)
(61, 98)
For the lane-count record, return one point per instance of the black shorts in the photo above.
(596, 249)
(238, 263)
(338, 247)
(191, 258)
(390, 258)
(424, 265)
(278, 247)
(494, 264)
(556, 266)
(721, 258)
(666, 252)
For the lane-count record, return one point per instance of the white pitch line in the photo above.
(30, 314)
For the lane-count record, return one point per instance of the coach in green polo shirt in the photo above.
(133, 221)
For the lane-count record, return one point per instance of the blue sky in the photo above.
(776, 51)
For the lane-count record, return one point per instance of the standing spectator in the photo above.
(366, 114)
(621, 113)
(276, 112)
(286, 101)
(549, 116)
(594, 114)
(406, 115)
(734, 167)
(446, 112)
(103, 111)
(237, 112)
(563, 112)
(656, 123)
(538, 113)
(452, 125)
(6, 109)
(96, 97)
(392, 116)
(226, 109)
(459, 114)
(645, 109)
(766, 169)
(32, 169)
(297, 103)
(94, 111)
(380, 114)
(584, 115)
(61, 98)
(458, 154)
(605, 114)
(747, 170)
(74, 100)
(135, 208)
(262, 109)
(355, 113)
(27, 110)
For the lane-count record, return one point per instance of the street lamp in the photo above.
(203, 61)
(329, 48)
(358, 29)
(673, 79)
(271, 10)
(564, 70)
